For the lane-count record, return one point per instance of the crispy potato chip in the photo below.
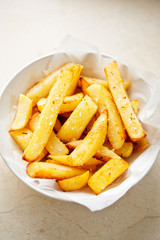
(109, 172)
(52, 171)
(129, 118)
(78, 120)
(48, 116)
(102, 97)
(74, 183)
(23, 113)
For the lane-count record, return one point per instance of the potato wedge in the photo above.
(91, 168)
(23, 113)
(41, 103)
(141, 145)
(76, 70)
(61, 159)
(102, 97)
(104, 153)
(135, 106)
(92, 142)
(33, 122)
(69, 103)
(126, 150)
(109, 172)
(84, 86)
(52, 171)
(129, 118)
(74, 183)
(48, 116)
(23, 137)
(78, 120)
(89, 81)
(90, 124)
(41, 89)
(55, 147)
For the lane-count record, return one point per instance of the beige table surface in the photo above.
(129, 30)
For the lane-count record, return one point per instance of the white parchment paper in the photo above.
(145, 87)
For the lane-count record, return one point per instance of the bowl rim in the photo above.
(41, 191)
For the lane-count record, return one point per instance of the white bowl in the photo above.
(145, 87)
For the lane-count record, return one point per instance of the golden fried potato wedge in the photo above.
(90, 124)
(48, 116)
(62, 159)
(74, 183)
(103, 154)
(89, 145)
(141, 145)
(84, 86)
(102, 97)
(109, 172)
(55, 147)
(41, 89)
(135, 106)
(33, 122)
(23, 137)
(76, 70)
(89, 81)
(52, 171)
(23, 113)
(129, 118)
(41, 103)
(92, 142)
(78, 120)
(126, 150)
(91, 168)
(69, 103)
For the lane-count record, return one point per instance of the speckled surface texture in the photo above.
(126, 29)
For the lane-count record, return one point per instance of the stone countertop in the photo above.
(129, 30)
